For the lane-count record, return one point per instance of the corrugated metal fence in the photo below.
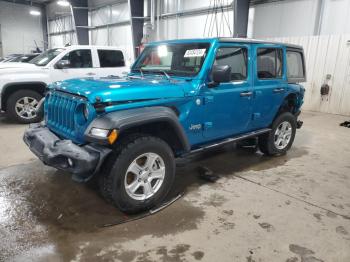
(327, 62)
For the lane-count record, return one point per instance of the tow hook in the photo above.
(299, 124)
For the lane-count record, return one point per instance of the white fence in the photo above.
(326, 55)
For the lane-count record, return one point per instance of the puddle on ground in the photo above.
(39, 205)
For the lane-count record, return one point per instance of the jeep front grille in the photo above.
(60, 113)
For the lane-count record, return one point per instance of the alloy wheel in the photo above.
(26, 107)
(144, 176)
(283, 135)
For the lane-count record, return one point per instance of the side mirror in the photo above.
(62, 64)
(220, 74)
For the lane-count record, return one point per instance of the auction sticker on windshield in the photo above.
(195, 52)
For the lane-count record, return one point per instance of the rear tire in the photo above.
(21, 107)
(280, 139)
(140, 175)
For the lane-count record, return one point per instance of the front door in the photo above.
(79, 64)
(228, 105)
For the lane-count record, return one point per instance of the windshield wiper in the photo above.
(141, 72)
(166, 75)
(137, 77)
(160, 71)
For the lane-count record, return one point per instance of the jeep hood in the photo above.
(122, 89)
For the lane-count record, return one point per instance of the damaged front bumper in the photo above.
(83, 161)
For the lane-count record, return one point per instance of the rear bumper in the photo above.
(299, 123)
(83, 161)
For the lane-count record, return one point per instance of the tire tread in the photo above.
(266, 141)
(107, 177)
(11, 101)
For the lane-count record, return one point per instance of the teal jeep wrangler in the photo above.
(181, 97)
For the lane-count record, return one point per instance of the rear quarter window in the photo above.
(111, 58)
(295, 66)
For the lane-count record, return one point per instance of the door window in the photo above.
(78, 59)
(236, 58)
(111, 58)
(295, 65)
(270, 63)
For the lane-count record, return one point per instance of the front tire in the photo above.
(280, 139)
(140, 174)
(22, 105)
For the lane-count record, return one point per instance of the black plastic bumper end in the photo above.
(299, 124)
(82, 161)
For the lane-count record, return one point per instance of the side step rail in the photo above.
(228, 140)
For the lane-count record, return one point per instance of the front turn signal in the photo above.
(112, 137)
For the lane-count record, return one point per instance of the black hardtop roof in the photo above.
(223, 39)
(255, 41)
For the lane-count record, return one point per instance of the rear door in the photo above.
(270, 83)
(228, 105)
(111, 62)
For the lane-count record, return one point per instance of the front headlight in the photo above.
(103, 133)
(109, 135)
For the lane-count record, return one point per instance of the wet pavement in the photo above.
(290, 208)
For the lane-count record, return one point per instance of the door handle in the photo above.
(278, 90)
(90, 74)
(246, 93)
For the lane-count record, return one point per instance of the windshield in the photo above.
(46, 57)
(15, 59)
(173, 59)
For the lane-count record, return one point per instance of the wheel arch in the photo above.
(289, 104)
(11, 88)
(157, 121)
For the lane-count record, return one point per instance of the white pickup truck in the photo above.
(22, 85)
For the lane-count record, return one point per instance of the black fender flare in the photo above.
(126, 119)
